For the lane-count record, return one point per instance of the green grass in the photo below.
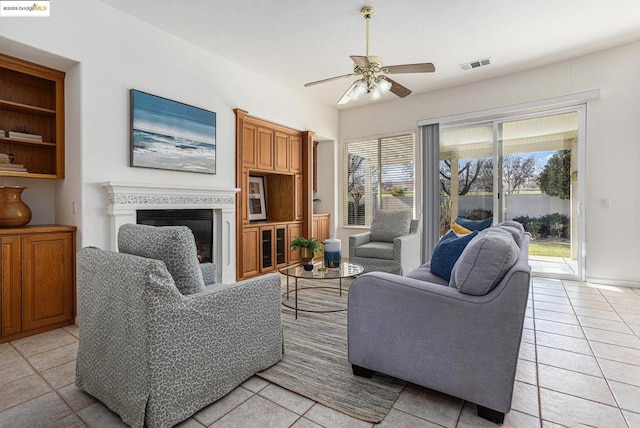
(551, 248)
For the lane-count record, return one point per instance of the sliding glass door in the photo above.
(523, 169)
(466, 174)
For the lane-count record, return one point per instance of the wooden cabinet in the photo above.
(321, 226)
(293, 230)
(265, 248)
(273, 251)
(282, 151)
(280, 245)
(250, 147)
(32, 105)
(295, 150)
(11, 286)
(38, 279)
(282, 157)
(265, 149)
(251, 252)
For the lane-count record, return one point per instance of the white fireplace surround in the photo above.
(126, 198)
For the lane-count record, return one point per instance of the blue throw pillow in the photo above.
(474, 224)
(447, 251)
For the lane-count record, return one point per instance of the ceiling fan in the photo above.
(372, 73)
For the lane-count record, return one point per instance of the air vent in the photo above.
(476, 64)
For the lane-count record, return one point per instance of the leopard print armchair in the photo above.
(153, 353)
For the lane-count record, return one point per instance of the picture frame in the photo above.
(256, 199)
(167, 134)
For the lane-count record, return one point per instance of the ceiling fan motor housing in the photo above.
(375, 65)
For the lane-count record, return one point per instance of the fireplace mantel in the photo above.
(126, 198)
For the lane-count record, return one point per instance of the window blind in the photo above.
(379, 174)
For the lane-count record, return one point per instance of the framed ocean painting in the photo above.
(166, 134)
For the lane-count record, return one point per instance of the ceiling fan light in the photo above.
(345, 99)
(384, 85)
(358, 90)
(375, 92)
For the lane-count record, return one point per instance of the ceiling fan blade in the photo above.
(317, 82)
(361, 61)
(425, 67)
(346, 98)
(397, 88)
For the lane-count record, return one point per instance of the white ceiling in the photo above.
(298, 41)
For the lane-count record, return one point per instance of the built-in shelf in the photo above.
(25, 108)
(32, 102)
(27, 142)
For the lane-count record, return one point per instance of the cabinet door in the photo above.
(265, 149)
(294, 230)
(295, 162)
(324, 227)
(249, 146)
(281, 245)
(281, 152)
(266, 249)
(47, 279)
(250, 251)
(316, 228)
(11, 298)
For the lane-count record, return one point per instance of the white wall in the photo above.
(613, 142)
(327, 177)
(106, 53)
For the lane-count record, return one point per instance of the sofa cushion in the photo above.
(474, 224)
(423, 273)
(174, 245)
(484, 262)
(460, 230)
(513, 223)
(388, 225)
(375, 250)
(447, 251)
(515, 233)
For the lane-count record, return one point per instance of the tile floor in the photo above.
(579, 366)
(553, 266)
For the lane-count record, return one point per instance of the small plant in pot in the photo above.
(308, 248)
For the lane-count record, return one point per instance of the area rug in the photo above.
(315, 361)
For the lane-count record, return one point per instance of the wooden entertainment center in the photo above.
(283, 158)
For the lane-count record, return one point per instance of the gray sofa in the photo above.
(157, 343)
(461, 337)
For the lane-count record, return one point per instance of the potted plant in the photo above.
(308, 248)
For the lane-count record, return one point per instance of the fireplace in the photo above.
(126, 199)
(200, 222)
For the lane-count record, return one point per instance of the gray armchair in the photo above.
(392, 244)
(461, 337)
(156, 343)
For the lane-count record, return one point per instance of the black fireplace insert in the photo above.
(200, 221)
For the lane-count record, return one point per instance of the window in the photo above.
(378, 173)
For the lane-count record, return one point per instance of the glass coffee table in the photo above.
(319, 272)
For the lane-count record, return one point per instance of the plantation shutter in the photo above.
(379, 174)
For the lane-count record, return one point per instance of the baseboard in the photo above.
(613, 282)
